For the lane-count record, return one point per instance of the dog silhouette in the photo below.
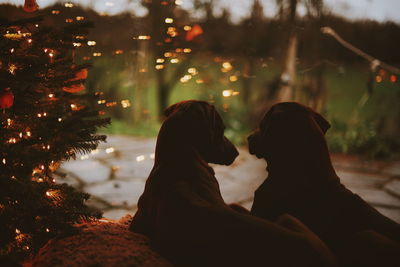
(185, 216)
(302, 182)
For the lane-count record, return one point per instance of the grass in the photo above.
(355, 128)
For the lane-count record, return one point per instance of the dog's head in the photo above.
(285, 128)
(198, 124)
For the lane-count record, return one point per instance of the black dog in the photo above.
(183, 213)
(302, 182)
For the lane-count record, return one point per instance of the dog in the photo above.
(185, 216)
(302, 182)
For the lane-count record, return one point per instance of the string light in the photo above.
(110, 150)
(97, 54)
(167, 54)
(160, 60)
(9, 122)
(233, 78)
(69, 20)
(4, 161)
(55, 12)
(118, 52)
(186, 78)
(91, 43)
(125, 103)
(169, 20)
(143, 37)
(79, 18)
(174, 60)
(69, 4)
(77, 44)
(12, 68)
(140, 158)
(187, 50)
(187, 28)
(192, 71)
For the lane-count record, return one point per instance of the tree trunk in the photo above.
(288, 77)
(162, 92)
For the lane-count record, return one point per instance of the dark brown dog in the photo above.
(183, 213)
(302, 182)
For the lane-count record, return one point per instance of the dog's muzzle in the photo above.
(255, 144)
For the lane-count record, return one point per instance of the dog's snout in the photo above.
(252, 141)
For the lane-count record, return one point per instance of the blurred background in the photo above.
(341, 58)
(243, 55)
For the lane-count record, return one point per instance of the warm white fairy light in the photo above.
(59, 119)
(51, 95)
(28, 133)
(140, 158)
(69, 4)
(227, 93)
(77, 44)
(226, 66)
(47, 230)
(91, 43)
(29, 41)
(187, 50)
(20, 134)
(97, 54)
(4, 161)
(80, 18)
(9, 122)
(17, 231)
(12, 50)
(160, 60)
(159, 67)
(169, 20)
(187, 28)
(125, 103)
(167, 54)
(143, 37)
(174, 60)
(110, 150)
(55, 12)
(186, 78)
(192, 71)
(12, 68)
(69, 20)
(233, 78)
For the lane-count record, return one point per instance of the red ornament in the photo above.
(195, 31)
(75, 88)
(30, 6)
(6, 99)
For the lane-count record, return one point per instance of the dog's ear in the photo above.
(323, 124)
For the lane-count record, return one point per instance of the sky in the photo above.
(381, 10)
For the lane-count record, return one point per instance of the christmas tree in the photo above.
(45, 118)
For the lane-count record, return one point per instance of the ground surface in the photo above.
(116, 172)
